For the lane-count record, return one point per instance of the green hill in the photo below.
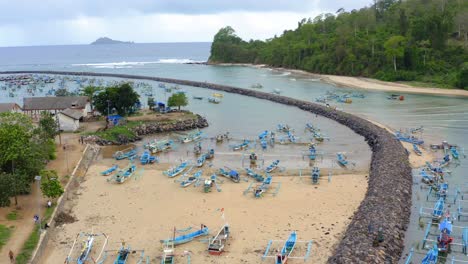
(413, 40)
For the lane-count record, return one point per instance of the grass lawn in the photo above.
(13, 215)
(5, 233)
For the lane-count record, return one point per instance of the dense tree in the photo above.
(122, 98)
(151, 103)
(48, 125)
(62, 92)
(178, 100)
(50, 184)
(425, 40)
(90, 92)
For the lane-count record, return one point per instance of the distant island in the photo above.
(106, 40)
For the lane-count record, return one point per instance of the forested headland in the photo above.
(391, 40)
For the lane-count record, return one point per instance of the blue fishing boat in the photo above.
(283, 128)
(312, 152)
(258, 192)
(110, 170)
(172, 172)
(454, 152)
(120, 155)
(426, 178)
(192, 136)
(187, 237)
(87, 244)
(408, 138)
(159, 146)
(124, 174)
(342, 159)
(146, 158)
(417, 150)
(445, 239)
(315, 175)
(123, 255)
(254, 175)
(242, 145)
(288, 248)
(201, 160)
(263, 135)
(210, 154)
(291, 137)
(273, 166)
(230, 174)
(263, 144)
(311, 127)
(191, 179)
(431, 256)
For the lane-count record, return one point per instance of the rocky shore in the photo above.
(149, 128)
(376, 232)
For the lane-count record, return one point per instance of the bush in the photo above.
(462, 77)
(391, 76)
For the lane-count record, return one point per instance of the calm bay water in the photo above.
(443, 117)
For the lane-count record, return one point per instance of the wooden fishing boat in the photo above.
(217, 243)
(454, 152)
(160, 146)
(110, 170)
(342, 159)
(191, 179)
(146, 158)
(254, 175)
(201, 160)
(417, 150)
(408, 138)
(192, 136)
(263, 135)
(431, 256)
(230, 174)
(262, 188)
(125, 154)
(273, 166)
(172, 172)
(288, 248)
(242, 145)
(123, 175)
(315, 175)
(203, 231)
(283, 128)
(87, 245)
(168, 254)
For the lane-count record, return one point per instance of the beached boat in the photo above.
(123, 175)
(160, 146)
(254, 175)
(242, 145)
(172, 172)
(312, 152)
(191, 179)
(192, 136)
(273, 166)
(203, 231)
(217, 243)
(417, 150)
(209, 183)
(168, 256)
(454, 152)
(288, 248)
(110, 170)
(201, 160)
(315, 175)
(124, 255)
(341, 158)
(408, 138)
(263, 135)
(125, 154)
(262, 188)
(87, 245)
(214, 100)
(146, 158)
(230, 174)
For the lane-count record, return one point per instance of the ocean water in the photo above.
(443, 117)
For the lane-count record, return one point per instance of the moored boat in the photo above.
(217, 243)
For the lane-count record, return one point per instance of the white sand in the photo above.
(145, 210)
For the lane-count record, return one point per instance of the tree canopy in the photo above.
(177, 99)
(122, 98)
(424, 40)
(50, 184)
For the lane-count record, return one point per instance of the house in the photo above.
(10, 107)
(33, 106)
(69, 119)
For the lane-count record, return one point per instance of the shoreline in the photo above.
(360, 82)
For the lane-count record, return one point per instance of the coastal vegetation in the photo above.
(414, 40)
(50, 184)
(177, 100)
(25, 151)
(121, 98)
(5, 233)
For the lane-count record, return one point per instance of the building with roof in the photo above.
(10, 107)
(33, 106)
(69, 119)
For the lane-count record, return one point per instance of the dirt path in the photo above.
(29, 205)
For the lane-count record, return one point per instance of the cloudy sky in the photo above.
(55, 22)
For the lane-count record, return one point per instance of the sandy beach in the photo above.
(144, 210)
(362, 82)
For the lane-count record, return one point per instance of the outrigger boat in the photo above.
(315, 175)
(273, 166)
(86, 247)
(123, 154)
(417, 150)
(431, 256)
(291, 137)
(172, 172)
(231, 174)
(168, 254)
(201, 160)
(261, 189)
(187, 237)
(209, 183)
(123, 255)
(159, 146)
(217, 243)
(123, 175)
(283, 128)
(254, 175)
(242, 145)
(110, 170)
(288, 248)
(408, 138)
(191, 179)
(192, 136)
(342, 159)
(312, 152)
(263, 135)
(454, 152)
(146, 158)
(435, 213)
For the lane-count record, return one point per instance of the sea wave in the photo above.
(129, 64)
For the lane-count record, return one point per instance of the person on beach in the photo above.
(11, 256)
(49, 204)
